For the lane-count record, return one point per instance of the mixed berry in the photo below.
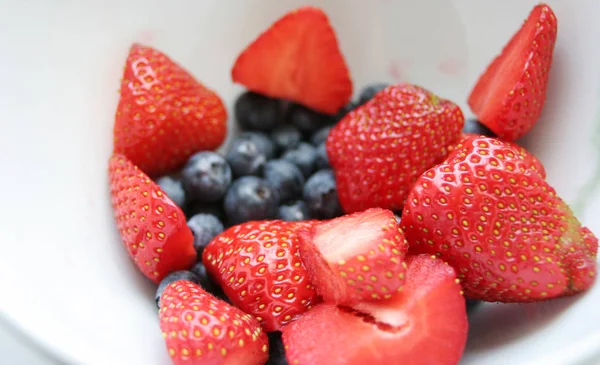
(338, 231)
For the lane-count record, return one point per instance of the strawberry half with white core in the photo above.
(297, 58)
(489, 213)
(152, 227)
(424, 324)
(356, 257)
(200, 329)
(508, 98)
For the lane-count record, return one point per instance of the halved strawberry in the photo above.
(152, 227)
(200, 329)
(164, 115)
(424, 324)
(508, 98)
(297, 58)
(356, 257)
(259, 268)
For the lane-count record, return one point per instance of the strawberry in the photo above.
(200, 329)
(508, 98)
(424, 324)
(355, 257)
(380, 149)
(152, 227)
(164, 115)
(259, 268)
(490, 214)
(298, 58)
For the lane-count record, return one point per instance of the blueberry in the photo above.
(398, 217)
(257, 112)
(173, 188)
(322, 160)
(294, 211)
(250, 198)
(285, 178)
(276, 350)
(206, 176)
(472, 305)
(320, 136)
(345, 110)
(263, 143)
(369, 91)
(286, 136)
(307, 120)
(204, 227)
(304, 156)
(205, 282)
(249, 153)
(320, 195)
(173, 277)
(198, 207)
(475, 127)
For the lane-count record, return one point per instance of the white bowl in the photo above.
(66, 279)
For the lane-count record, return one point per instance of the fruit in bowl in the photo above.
(307, 219)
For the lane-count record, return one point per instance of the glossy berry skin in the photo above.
(204, 227)
(249, 153)
(369, 91)
(250, 198)
(200, 329)
(258, 112)
(508, 98)
(473, 126)
(425, 324)
(206, 177)
(381, 148)
(296, 211)
(152, 226)
(490, 214)
(286, 137)
(297, 58)
(320, 136)
(321, 196)
(258, 266)
(307, 120)
(322, 160)
(164, 115)
(286, 178)
(304, 157)
(173, 188)
(173, 277)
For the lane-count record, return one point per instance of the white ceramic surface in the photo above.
(66, 279)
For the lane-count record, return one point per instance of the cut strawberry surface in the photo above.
(355, 257)
(297, 58)
(508, 98)
(424, 324)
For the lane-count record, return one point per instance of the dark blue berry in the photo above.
(320, 136)
(398, 217)
(344, 111)
(286, 136)
(263, 143)
(369, 91)
(249, 153)
(250, 198)
(276, 350)
(294, 211)
(322, 160)
(473, 126)
(173, 188)
(205, 282)
(206, 176)
(472, 305)
(204, 227)
(320, 195)
(304, 156)
(285, 178)
(306, 120)
(198, 207)
(257, 112)
(173, 277)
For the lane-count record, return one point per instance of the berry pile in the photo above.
(337, 231)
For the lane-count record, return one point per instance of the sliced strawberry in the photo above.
(424, 324)
(508, 98)
(259, 268)
(297, 58)
(490, 214)
(379, 150)
(356, 257)
(164, 115)
(200, 329)
(152, 227)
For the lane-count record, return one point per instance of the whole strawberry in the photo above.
(379, 150)
(508, 98)
(490, 214)
(200, 329)
(152, 227)
(164, 115)
(258, 266)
